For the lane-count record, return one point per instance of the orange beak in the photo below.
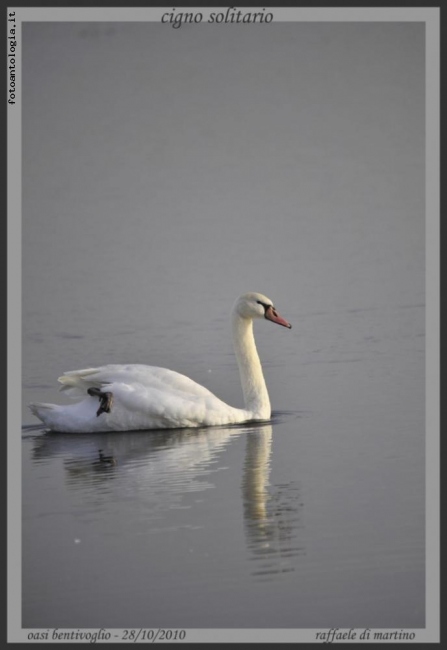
(273, 315)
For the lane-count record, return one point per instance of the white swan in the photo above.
(146, 397)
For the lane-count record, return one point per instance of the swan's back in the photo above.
(76, 382)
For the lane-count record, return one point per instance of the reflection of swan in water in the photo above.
(271, 517)
(159, 469)
(166, 463)
(256, 473)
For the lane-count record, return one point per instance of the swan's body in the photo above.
(147, 397)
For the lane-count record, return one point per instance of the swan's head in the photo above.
(255, 305)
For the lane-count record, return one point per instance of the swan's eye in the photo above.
(265, 305)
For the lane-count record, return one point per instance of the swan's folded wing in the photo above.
(76, 382)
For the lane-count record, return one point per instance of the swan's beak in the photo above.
(273, 315)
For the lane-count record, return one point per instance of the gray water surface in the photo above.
(165, 172)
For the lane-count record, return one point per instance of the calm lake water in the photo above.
(157, 187)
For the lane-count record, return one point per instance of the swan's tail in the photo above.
(69, 417)
(41, 410)
(65, 417)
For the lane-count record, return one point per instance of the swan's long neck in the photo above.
(252, 379)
